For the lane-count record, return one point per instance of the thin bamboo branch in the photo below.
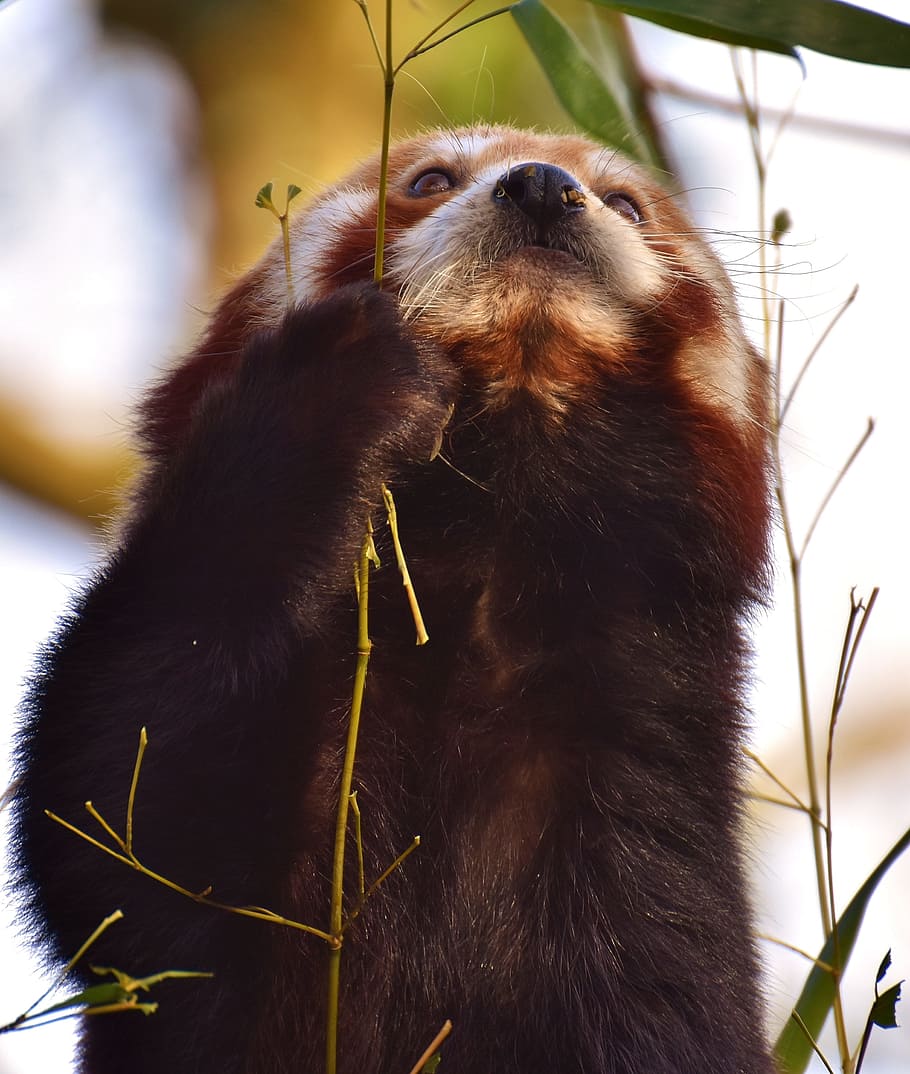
(420, 51)
(769, 799)
(798, 803)
(377, 883)
(796, 950)
(432, 1048)
(819, 343)
(134, 782)
(815, 1048)
(336, 918)
(841, 474)
(358, 841)
(422, 636)
(200, 897)
(111, 919)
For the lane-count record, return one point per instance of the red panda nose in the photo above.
(542, 192)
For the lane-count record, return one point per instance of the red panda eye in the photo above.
(625, 205)
(432, 182)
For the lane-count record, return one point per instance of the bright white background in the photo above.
(102, 248)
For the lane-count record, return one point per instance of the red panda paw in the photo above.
(347, 368)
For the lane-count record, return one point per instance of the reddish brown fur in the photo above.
(587, 543)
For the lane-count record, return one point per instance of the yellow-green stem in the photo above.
(815, 810)
(422, 636)
(134, 782)
(286, 246)
(820, 826)
(388, 79)
(105, 924)
(750, 106)
(433, 1047)
(820, 829)
(203, 898)
(336, 922)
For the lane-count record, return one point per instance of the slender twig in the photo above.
(453, 14)
(769, 799)
(264, 201)
(390, 70)
(39, 1021)
(422, 636)
(820, 827)
(378, 882)
(432, 1048)
(336, 911)
(815, 812)
(362, 4)
(804, 368)
(844, 674)
(387, 872)
(841, 474)
(420, 51)
(388, 93)
(779, 359)
(817, 124)
(860, 1054)
(96, 816)
(750, 108)
(863, 1044)
(88, 1002)
(131, 862)
(796, 950)
(853, 634)
(358, 841)
(815, 1048)
(117, 915)
(131, 801)
(798, 803)
(200, 897)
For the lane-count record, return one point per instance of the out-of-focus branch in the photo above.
(731, 106)
(84, 482)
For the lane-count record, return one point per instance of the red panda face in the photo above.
(543, 265)
(538, 261)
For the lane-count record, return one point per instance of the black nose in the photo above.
(543, 192)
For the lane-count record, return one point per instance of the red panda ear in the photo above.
(166, 411)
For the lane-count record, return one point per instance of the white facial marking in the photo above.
(465, 269)
(452, 271)
(316, 230)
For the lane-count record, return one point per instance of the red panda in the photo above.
(554, 381)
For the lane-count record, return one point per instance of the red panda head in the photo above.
(541, 264)
(538, 258)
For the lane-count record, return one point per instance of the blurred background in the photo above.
(133, 140)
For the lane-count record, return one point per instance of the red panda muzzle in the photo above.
(544, 193)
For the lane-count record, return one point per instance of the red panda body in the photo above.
(556, 386)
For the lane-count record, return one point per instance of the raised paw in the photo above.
(350, 359)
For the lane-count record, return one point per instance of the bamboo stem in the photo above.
(336, 919)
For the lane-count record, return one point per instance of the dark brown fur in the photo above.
(567, 745)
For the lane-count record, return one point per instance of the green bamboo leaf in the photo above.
(792, 1049)
(99, 995)
(264, 198)
(579, 86)
(828, 26)
(884, 1010)
(134, 984)
(122, 989)
(883, 968)
(699, 27)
